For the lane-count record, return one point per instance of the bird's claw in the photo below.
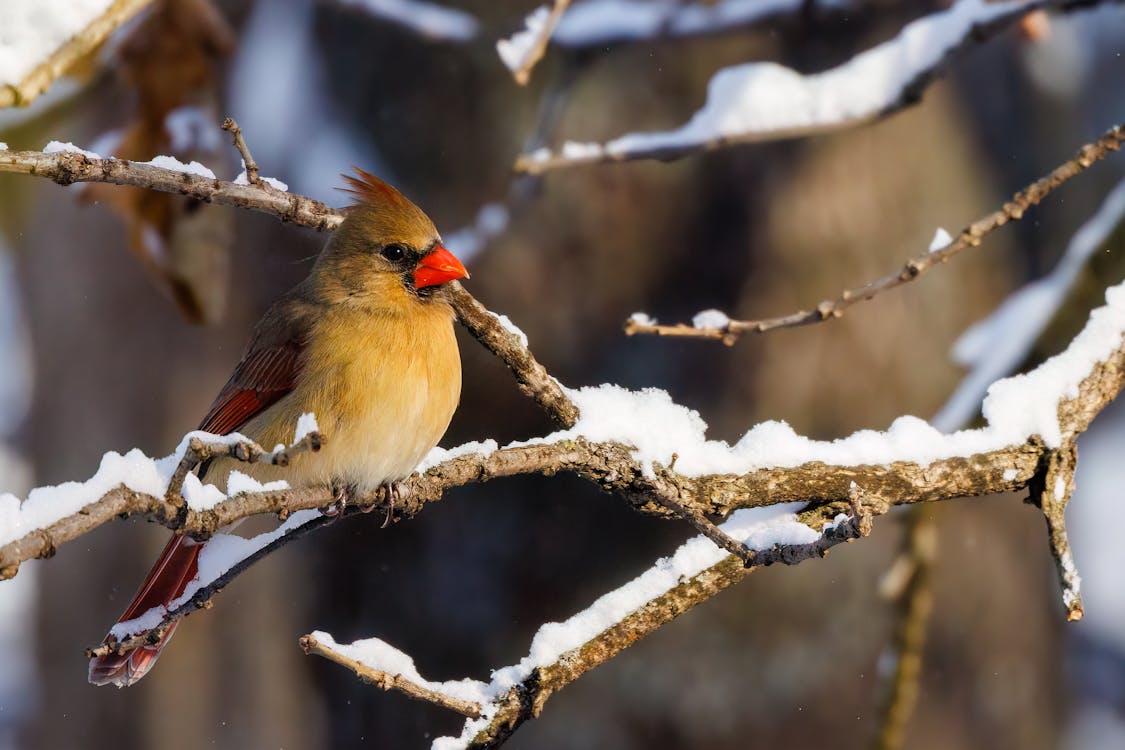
(342, 494)
(392, 493)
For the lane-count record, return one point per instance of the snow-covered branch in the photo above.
(44, 39)
(764, 101)
(640, 446)
(521, 51)
(717, 326)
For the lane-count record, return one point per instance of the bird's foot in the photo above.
(343, 495)
(392, 493)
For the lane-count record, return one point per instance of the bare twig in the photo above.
(385, 681)
(247, 160)
(247, 451)
(970, 237)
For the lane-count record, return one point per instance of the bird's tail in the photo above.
(166, 581)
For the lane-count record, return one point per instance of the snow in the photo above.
(46, 505)
(171, 162)
(710, 319)
(765, 99)
(382, 656)
(598, 22)
(998, 345)
(192, 129)
(440, 455)
(491, 221)
(1010, 474)
(572, 150)
(242, 179)
(306, 424)
(642, 319)
(221, 553)
(3, 146)
(940, 240)
(134, 470)
(506, 323)
(757, 528)
(33, 30)
(515, 50)
(428, 19)
(58, 147)
(1015, 409)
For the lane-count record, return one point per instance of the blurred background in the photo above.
(122, 314)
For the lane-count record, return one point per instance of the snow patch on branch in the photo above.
(221, 553)
(431, 20)
(642, 319)
(598, 22)
(711, 319)
(58, 147)
(516, 49)
(171, 162)
(758, 528)
(381, 656)
(998, 344)
(1017, 408)
(33, 30)
(764, 99)
(135, 471)
(941, 239)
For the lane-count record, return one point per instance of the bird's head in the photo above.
(386, 252)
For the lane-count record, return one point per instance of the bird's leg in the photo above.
(342, 493)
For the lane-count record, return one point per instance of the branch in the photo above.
(248, 162)
(757, 102)
(68, 167)
(970, 237)
(1001, 463)
(385, 680)
(525, 48)
(690, 583)
(56, 62)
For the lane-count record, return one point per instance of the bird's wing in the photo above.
(268, 371)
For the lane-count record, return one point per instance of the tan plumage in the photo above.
(365, 343)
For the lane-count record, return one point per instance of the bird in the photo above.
(366, 344)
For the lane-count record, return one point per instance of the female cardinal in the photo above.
(366, 344)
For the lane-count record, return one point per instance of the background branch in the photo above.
(970, 237)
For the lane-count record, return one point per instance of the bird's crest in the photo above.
(369, 190)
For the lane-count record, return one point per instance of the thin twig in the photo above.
(386, 681)
(248, 162)
(970, 237)
(247, 451)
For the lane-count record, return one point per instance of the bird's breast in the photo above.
(383, 389)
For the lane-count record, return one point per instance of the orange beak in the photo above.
(437, 267)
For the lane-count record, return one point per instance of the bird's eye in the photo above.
(393, 253)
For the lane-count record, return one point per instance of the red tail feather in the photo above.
(167, 580)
